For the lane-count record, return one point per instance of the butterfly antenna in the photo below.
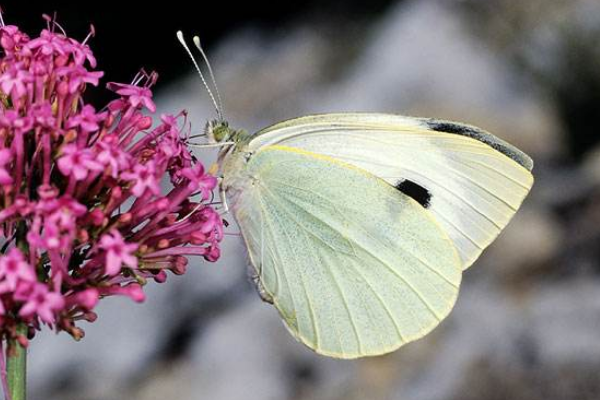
(210, 145)
(210, 93)
(196, 40)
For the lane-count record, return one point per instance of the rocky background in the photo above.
(527, 322)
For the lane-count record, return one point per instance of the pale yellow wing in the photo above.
(470, 181)
(354, 266)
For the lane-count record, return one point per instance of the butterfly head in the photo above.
(218, 131)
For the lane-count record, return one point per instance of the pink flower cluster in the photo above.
(82, 212)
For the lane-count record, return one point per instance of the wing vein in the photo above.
(308, 301)
(394, 272)
(369, 284)
(285, 278)
(324, 222)
(414, 172)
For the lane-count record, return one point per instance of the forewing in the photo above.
(471, 181)
(354, 266)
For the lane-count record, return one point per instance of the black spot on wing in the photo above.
(415, 191)
(483, 136)
(451, 127)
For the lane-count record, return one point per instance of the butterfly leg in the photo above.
(223, 197)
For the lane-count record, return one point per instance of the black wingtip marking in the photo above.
(483, 136)
(415, 191)
(449, 127)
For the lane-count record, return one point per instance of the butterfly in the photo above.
(359, 226)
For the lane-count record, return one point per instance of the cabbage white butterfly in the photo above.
(359, 226)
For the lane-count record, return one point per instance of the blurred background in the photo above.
(527, 321)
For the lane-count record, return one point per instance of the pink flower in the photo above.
(143, 177)
(87, 119)
(78, 162)
(174, 145)
(14, 268)
(211, 229)
(11, 38)
(199, 181)
(82, 52)
(118, 252)
(111, 155)
(14, 81)
(43, 115)
(58, 231)
(40, 301)
(82, 212)
(88, 298)
(135, 95)
(77, 76)
(50, 43)
(12, 119)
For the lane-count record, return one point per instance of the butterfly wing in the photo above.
(354, 266)
(469, 180)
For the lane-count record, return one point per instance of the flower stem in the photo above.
(16, 366)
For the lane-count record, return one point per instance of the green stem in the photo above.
(16, 367)
(16, 355)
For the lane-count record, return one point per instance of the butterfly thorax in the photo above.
(233, 157)
(236, 178)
